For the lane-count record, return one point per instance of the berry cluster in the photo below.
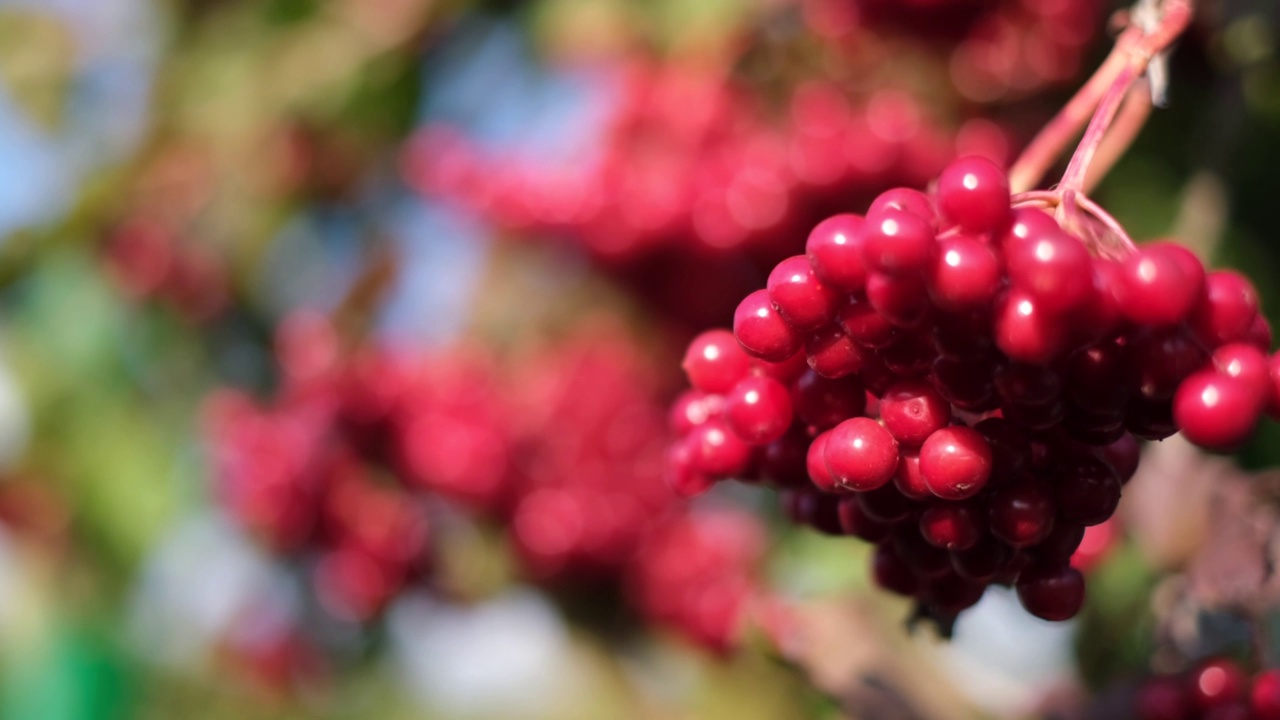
(562, 446)
(997, 50)
(1216, 689)
(150, 263)
(961, 380)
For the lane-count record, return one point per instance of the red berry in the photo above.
(799, 296)
(865, 325)
(1010, 449)
(833, 354)
(758, 409)
(900, 299)
(924, 558)
(886, 504)
(897, 242)
(1216, 682)
(855, 522)
(1157, 286)
(1021, 514)
(1216, 411)
(1053, 269)
(824, 403)
(717, 450)
(834, 250)
(912, 411)
(955, 463)
(1088, 490)
(681, 475)
(965, 274)
(693, 408)
(1025, 332)
(907, 478)
(1051, 591)
(715, 362)
(1245, 363)
(816, 464)
(905, 199)
(1123, 456)
(951, 526)
(1264, 699)
(761, 330)
(1164, 698)
(891, 572)
(1061, 544)
(1226, 312)
(861, 454)
(973, 192)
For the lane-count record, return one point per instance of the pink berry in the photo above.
(965, 274)
(1054, 269)
(1264, 698)
(1216, 411)
(715, 362)
(1216, 682)
(1157, 286)
(897, 242)
(1227, 310)
(761, 330)
(955, 463)
(912, 411)
(1051, 591)
(717, 450)
(864, 325)
(834, 250)
(816, 463)
(973, 192)
(833, 354)
(799, 296)
(1245, 363)
(1025, 332)
(900, 299)
(758, 409)
(861, 454)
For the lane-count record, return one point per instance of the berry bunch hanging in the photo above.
(961, 376)
(1215, 689)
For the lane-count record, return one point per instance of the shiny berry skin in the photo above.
(865, 326)
(816, 464)
(1156, 286)
(1216, 411)
(973, 192)
(1061, 544)
(761, 330)
(1054, 269)
(1026, 332)
(834, 249)
(955, 462)
(983, 561)
(717, 450)
(1123, 456)
(1226, 312)
(823, 403)
(715, 362)
(1051, 591)
(1010, 449)
(693, 408)
(900, 299)
(861, 454)
(891, 572)
(832, 353)
(905, 199)
(799, 296)
(758, 409)
(1164, 698)
(951, 526)
(924, 558)
(886, 504)
(1096, 378)
(1029, 223)
(1021, 514)
(1161, 359)
(1216, 682)
(1245, 363)
(964, 274)
(907, 478)
(1264, 698)
(1088, 490)
(681, 476)
(912, 411)
(897, 242)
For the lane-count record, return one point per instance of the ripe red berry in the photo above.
(965, 274)
(1216, 682)
(1245, 363)
(758, 409)
(761, 330)
(897, 242)
(912, 411)
(865, 325)
(1226, 312)
(951, 526)
(824, 403)
(905, 199)
(955, 462)
(715, 362)
(1026, 332)
(816, 464)
(900, 299)
(891, 572)
(717, 450)
(907, 478)
(1216, 411)
(1053, 269)
(1022, 513)
(861, 454)
(799, 296)
(1157, 286)
(834, 250)
(1088, 490)
(1051, 591)
(1264, 698)
(832, 353)
(854, 521)
(1164, 698)
(973, 192)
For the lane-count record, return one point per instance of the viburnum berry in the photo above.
(715, 362)
(758, 409)
(1159, 285)
(1227, 312)
(1264, 697)
(1053, 269)
(1215, 410)
(965, 274)
(1022, 513)
(861, 454)
(802, 300)
(1051, 591)
(955, 463)
(891, 572)
(912, 411)
(761, 330)
(973, 193)
(834, 249)
(1216, 682)
(951, 526)
(897, 242)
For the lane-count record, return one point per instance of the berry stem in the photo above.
(1124, 130)
(1133, 52)
(1073, 179)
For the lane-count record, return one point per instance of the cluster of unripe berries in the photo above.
(1215, 689)
(149, 262)
(349, 467)
(962, 382)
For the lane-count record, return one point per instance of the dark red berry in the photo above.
(715, 362)
(886, 504)
(900, 299)
(965, 274)
(983, 561)
(891, 572)
(761, 330)
(1022, 513)
(1051, 591)
(1088, 490)
(912, 411)
(1051, 268)
(955, 463)
(865, 325)
(758, 409)
(1216, 682)
(799, 296)
(861, 454)
(1157, 286)
(824, 403)
(855, 522)
(1264, 698)
(832, 354)
(973, 192)
(951, 526)
(907, 478)
(924, 558)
